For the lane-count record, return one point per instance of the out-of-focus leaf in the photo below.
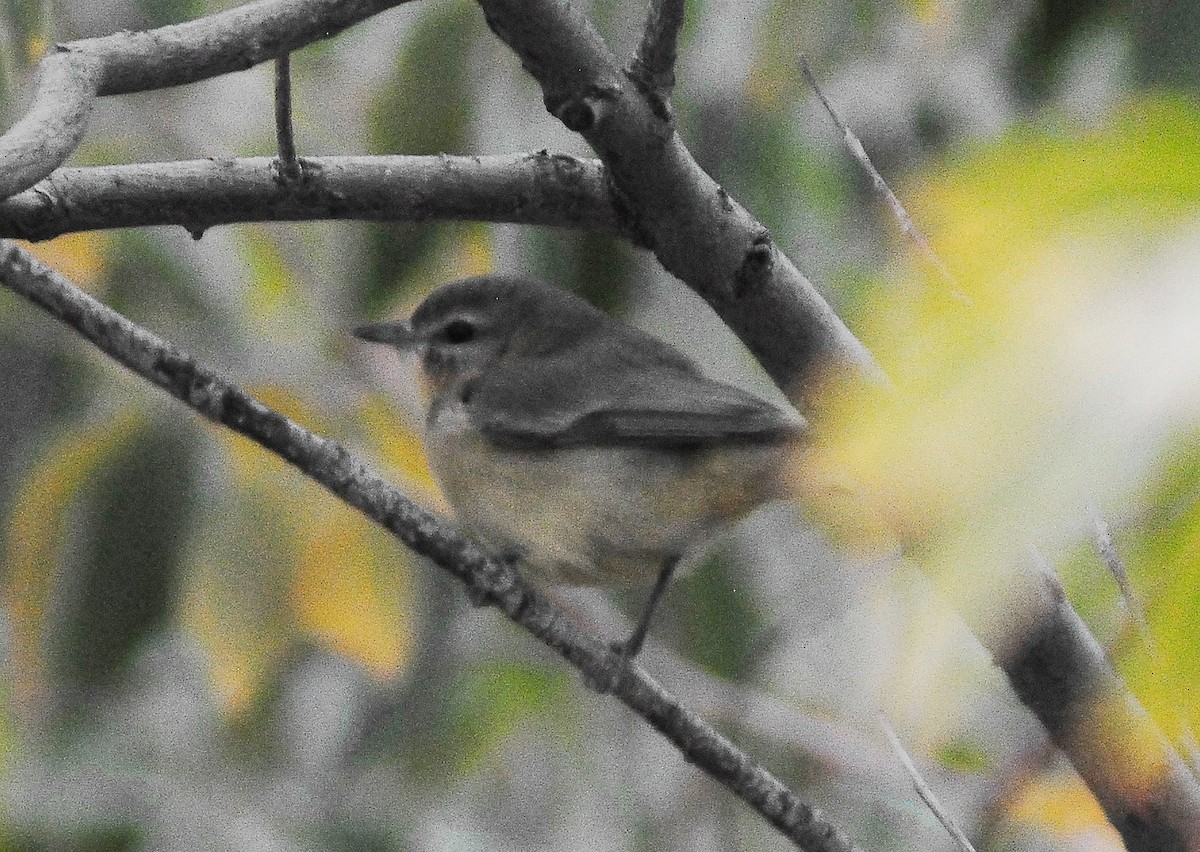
(1063, 379)
(596, 266)
(281, 559)
(159, 13)
(138, 513)
(38, 532)
(425, 109)
(1005, 396)
(1064, 807)
(272, 292)
(391, 440)
(723, 626)
(1048, 34)
(493, 699)
(345, 594)
(144, 280)
(27, 25)
(961, 755)
(80, 257)
(1162, 555)
(460, 251)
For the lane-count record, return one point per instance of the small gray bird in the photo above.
(584, 449)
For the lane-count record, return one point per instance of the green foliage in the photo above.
(596, 266)
(963, 755)
(496, 697)
(723, 628)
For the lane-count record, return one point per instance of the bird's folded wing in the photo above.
(547, 406)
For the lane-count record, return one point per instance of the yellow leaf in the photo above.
(278, 307)
(1063, 806)
(79, 257)
(399, 447)
(475, 252)
(282, 559)
(342, 596)
(1057, 382)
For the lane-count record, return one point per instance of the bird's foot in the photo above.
(620, 660)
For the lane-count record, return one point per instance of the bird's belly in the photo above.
(597, 514)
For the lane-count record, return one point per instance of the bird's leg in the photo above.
(632, 646)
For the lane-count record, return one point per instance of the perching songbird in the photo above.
(585, 450)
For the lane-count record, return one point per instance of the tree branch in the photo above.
(700, 234)
(653, 65)
(289, 165)
(1060, 672)
(489, 580)
(923, 789)
(532, 189)
(77, 72)
(674, 205)
(1057, 669)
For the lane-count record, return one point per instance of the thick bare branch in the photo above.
(531, 189)
(77, 72)
(653, 65)
(1061, 673)
(488, 580)
(695, 228)
(54, 124)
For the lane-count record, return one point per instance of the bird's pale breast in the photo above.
(596, 514)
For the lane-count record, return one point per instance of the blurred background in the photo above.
(200, 649)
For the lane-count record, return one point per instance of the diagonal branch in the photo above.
(1057, 668)
(488, 580)
(653, 66)
(554, 190)
(77, 72)
(695, 228)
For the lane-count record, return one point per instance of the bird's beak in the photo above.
(399, 334)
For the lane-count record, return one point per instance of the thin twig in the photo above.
(488, 580)
(1107, 548)
(855, 146)
(654, 62)
(289, 165)
(1116, 566)
(923, 789)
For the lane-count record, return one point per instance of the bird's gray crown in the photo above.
(543, 316)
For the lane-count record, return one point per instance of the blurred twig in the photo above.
(923, 789)
(855, 147)
(1116, 566)
(489, 580)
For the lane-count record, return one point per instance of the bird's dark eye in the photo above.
(459, 331)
